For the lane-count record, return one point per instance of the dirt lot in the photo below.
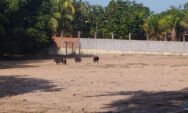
(117, 84)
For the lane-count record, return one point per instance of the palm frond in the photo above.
(70, 5)
(69, 17)
(57, 15)
(53, 24)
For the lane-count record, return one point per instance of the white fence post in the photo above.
(72, 44)
(183, 43)
(165, 42)
(129, 42)
(147, 43)
(113, 40)
(62, 38)
(79, 44)
(66, 48)
(95, 42)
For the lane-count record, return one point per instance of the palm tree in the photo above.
(63, 11)
(174, 19)
(151, 26)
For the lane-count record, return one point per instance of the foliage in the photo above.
(62, 15)
(126, 17)
(3, 19)
(87, 18)
(28, 25)
(152, 26)
(27, 30)
(185, 20)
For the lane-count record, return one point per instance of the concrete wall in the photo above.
(133, 46)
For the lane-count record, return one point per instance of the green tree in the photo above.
(81, 18)
(126, 17)
(28, 29)
(174, 20)
(120, 17)
(87, 18)
(152, 26)
(62, 15)
(185, 13)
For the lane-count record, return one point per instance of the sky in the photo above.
(155, 5)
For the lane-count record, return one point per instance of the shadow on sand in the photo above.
(19, 61)
(23, 61)
(148, 102)
(16, 85)
(16, 64)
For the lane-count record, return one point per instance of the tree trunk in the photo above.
(71, 31)
(62, 34)
(54, 35)
(173, 35)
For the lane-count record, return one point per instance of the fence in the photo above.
(115, 46)
(139, 46)
(66, 45)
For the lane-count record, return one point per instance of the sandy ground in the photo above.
(117, 84)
